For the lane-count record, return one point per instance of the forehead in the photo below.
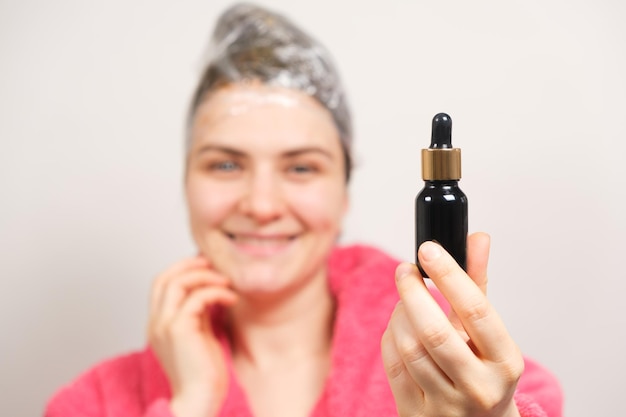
(259, 116)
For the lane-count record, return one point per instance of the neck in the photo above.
(283, 328)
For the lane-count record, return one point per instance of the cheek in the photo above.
(208, 203)
(320, 206)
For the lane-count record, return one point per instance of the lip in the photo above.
(261, 244)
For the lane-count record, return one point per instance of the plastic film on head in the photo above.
(253, 44)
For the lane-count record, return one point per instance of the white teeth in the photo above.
(261, 241)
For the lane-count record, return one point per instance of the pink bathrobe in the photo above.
(362, 280)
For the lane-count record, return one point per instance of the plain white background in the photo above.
(92, 105)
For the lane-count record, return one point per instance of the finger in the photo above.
(445, 346)
(195, 306)
(417, 361)
(171, 282)
(479, 318)
(407, 395)
(185, 265)
(177, 289)
(193, 318)
(478, 258)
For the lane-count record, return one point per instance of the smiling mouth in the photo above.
(252, 242)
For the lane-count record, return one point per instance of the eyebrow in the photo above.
(311, 149)
(218, 148)
(289, 154)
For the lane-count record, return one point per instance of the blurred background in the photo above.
(93, 98)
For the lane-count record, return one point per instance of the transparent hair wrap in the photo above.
(251, 43)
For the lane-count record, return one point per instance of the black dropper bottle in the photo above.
(441, 206)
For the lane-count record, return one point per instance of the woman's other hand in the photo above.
(465, 364)
(181, 336)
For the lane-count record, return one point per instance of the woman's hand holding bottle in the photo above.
(464, 365)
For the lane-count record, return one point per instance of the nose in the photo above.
(263, 200)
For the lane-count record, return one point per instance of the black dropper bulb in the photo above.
(441, 136)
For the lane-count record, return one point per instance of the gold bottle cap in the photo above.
(441, 164)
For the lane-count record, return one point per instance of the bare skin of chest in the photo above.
(286, 390)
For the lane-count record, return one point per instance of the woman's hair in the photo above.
(250, 43)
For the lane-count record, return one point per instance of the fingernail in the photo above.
(403, 270)
(430, 251)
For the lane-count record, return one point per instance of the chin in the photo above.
(261, 279)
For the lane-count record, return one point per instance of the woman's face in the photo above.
(265, 186)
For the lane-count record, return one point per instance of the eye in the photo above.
(302, 169)
(224, 166)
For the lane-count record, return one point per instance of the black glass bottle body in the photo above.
(441, 215)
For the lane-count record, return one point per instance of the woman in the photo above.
(270, 318)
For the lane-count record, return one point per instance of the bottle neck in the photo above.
(441, 183)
